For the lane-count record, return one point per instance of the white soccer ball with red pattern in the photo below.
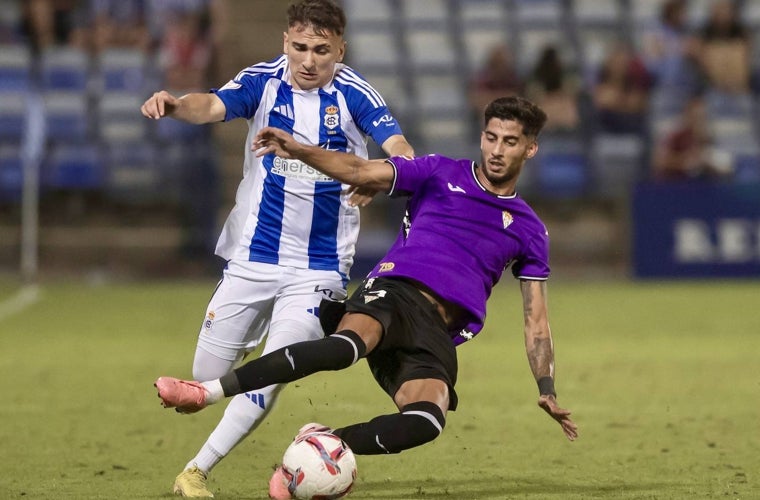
(319, 466)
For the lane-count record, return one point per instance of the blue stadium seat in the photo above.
(74, 166)
(562, 176)
(538, 13)
(747, 168)
(170, 130)
(11, 174)
(121, 69)
(16, 65)
(67, 116)
(12, 115)
(65, 68)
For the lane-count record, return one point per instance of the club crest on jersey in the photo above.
(332, 118)
(506, 219)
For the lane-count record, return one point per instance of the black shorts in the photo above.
(415, 343)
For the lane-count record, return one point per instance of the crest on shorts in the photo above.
(506, 219)
(332, 118)
(209, 322)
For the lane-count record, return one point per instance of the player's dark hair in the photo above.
(515, 108)
(321, 15)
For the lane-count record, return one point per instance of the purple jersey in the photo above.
(457, 238)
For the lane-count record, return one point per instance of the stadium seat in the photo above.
(65, 68)
(747, 168)
(562, 175)
(441, 93)
(171, 130)
(368, 12)
(11, 174)
(373, 50)
(134, 173)
(67, 116)
(431, 50)
(617, 162)
(544, 13)
(74, 166)
(12, 115)
(645, 13)
(589, 13)
(430, 14)
(15, 68)
(479, 40)
(119, 117)
(122, 69)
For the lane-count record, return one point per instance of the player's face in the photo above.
(312, 56)
(504, 149)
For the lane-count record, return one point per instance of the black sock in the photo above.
(340, 350)
(416, 424)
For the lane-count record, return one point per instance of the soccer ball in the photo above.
(319, 466)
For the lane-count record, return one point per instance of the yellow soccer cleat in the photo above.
(192, 483)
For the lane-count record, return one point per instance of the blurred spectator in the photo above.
(670, 51)
(118, 24)
(497, 78)
(725, 49)
(55, 22)
(621, 92)
(553, 88)
(688, 152)
(187, 35)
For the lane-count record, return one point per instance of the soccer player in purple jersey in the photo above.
(465, 224)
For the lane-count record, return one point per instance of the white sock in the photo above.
(215, 391)
(243, 414)
(206, 459)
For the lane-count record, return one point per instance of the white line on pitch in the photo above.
(25, 297)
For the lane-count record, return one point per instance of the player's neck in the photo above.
(505, 188)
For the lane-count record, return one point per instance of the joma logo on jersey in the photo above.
(332, 118)
(386, 266)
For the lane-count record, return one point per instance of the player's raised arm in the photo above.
(192, 108)
(540, 350)
(344, 167)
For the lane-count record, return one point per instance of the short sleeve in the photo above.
(534, 264)
(411, 173)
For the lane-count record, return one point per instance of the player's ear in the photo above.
(341, 50)
(284, 42)
(532, 149)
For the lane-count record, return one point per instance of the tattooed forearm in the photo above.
(538, 339)
(541, 357)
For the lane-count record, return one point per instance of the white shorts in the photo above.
(254, 299)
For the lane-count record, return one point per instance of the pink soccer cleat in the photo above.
(278, 485)
(310, 428)
(184, 395)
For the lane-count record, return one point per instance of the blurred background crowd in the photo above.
(661, 91)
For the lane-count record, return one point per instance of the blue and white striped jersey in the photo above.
(285, 211)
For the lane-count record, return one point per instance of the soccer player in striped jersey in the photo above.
(289, 240)
(465, 225)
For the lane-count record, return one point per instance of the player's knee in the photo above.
(425, 421)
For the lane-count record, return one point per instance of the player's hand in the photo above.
(160, 104)
(360, 196)
(549, 405)
(275, 141)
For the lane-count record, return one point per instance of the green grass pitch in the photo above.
(662, 378)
